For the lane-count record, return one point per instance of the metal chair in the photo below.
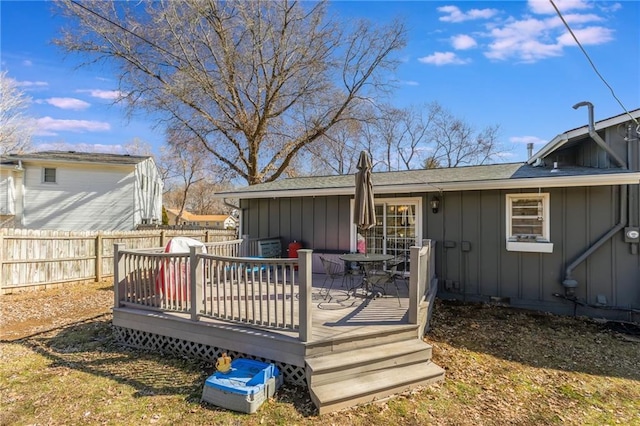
(333, 270)
(383, 278)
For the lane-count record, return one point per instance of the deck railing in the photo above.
(266, 293)
(421, 278)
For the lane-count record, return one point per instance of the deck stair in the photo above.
(347, 378)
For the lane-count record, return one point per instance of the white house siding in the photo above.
(84, 197)
(148, 199)
(7, 192)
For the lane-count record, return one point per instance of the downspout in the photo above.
(596, 137)
(569, 283)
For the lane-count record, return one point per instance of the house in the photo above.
(211, 221)
(557, 233)
(69, 190)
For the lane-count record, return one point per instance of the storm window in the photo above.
(528, 222)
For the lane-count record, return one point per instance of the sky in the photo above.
(510, 63)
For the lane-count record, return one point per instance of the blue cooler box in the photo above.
(243, 388)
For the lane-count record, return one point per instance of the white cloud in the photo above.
(47, 126)
(587, 36)
(31, 83)
(409, 83)
(527, 40)
(463, 42)
(454, 14)
(537, 34)
(80, 147)
(544, 7)
(527, 139)
(68, 103)
(110, 95)
(443, 58)
(27, 63)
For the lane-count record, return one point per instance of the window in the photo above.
(528, 223)
(49, 175)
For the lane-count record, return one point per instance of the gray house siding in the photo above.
(579, 217)
(325, 221)
(472, 262)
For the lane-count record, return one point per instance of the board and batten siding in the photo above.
(319, 223)
(84, 198)
(579, 217)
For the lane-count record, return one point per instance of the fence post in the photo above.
(98, 250)
(196, 281)
(118, 274)
(414, 284)
(162, 238)
(305, 284)
(1, 265)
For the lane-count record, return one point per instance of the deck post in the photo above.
(305, 288)
(118, 274)
(414, 287)
(244, 247)
(195, 281)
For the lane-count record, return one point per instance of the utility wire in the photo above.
(593, 65)
(115, 24)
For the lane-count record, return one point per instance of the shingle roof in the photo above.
(200, 217)
(493, 176)
(75, 156)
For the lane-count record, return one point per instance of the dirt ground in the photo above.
(503, 365)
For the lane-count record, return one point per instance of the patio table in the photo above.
(366, 258)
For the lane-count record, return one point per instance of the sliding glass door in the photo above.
(398, 227)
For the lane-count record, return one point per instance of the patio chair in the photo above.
(383, 278)
(333, 270)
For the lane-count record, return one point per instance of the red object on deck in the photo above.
(173, 277)
(294, 246)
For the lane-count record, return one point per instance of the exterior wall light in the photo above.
(435, 204)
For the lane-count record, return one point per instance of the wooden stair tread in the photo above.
(343, 360)
(372, 383)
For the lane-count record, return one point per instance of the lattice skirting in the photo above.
(150, 341)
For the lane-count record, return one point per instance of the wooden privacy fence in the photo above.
(34, 258)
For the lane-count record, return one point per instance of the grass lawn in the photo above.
(59, 364)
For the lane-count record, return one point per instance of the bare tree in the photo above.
(16, 127)
(397, 137)
(337, 151)
(254, 81)
(182, 165)
(456, 143)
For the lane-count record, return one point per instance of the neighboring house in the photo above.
(68, 190)
(556, 233)
(211, 221)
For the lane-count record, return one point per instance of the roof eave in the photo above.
(581, 132)
(524, 183)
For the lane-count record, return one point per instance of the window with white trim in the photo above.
(49, 175)
(528, 223)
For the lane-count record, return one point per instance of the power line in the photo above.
(592, 64)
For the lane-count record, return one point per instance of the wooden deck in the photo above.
(343, 315)
(347, 339)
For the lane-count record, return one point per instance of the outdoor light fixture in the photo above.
(435, 204)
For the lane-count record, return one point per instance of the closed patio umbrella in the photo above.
(364, 214)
